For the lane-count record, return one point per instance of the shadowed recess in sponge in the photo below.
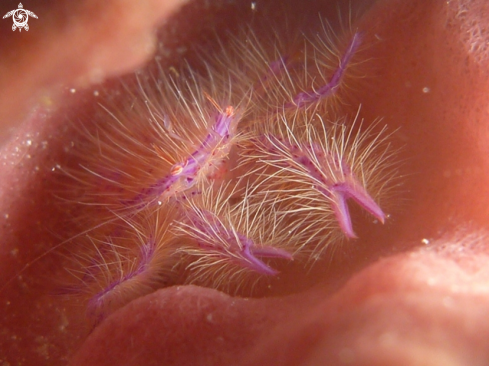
(227, 175)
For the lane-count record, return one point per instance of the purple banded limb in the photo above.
(306, 98)
(123, 286)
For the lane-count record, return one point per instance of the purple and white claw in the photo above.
(329, 175)
(251, 254)
(217, 237)
(341, 193)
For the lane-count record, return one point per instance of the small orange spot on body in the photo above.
(177, 169)
(229, 111)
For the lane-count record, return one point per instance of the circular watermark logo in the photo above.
(20, 17)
